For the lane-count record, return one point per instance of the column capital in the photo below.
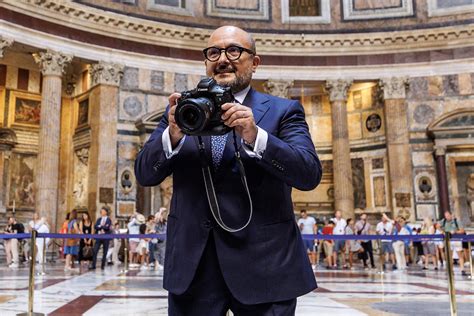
(394, 87)
(279, 88)
(440, 150)
(4, 44)
(106, 73)
(337, 89)
(52, 63)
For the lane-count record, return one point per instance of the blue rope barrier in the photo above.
(438, 237)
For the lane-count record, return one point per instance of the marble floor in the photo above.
(348, 292)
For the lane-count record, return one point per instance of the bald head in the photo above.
(229, 31)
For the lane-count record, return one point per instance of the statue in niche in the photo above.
(425, 186)
(126, 182)
(81, 171)
(470, 192)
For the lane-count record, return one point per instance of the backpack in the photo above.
(71, 242)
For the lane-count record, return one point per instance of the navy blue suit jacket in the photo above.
(106, 228)
(266, 262)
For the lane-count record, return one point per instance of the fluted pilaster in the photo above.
(343, 188)
(398, 146)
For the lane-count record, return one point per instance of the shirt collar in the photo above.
(240, 96)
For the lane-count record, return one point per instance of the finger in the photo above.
(238, 122)
(227, 106)
(173, 98)
(232, 110)
(239, 114)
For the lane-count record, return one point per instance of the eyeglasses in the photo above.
(232, 52)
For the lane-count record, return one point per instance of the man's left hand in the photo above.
(241, 118)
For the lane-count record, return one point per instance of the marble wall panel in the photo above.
(157, 81)
(144, 79)
(426, 211)
(321, 129)
(465, 84)
(156, 103)
(358, 183)
(417, 88)
(169, 82)
(180, 82)
(451, 85)
(12, 77)
(130, 79)
(435, 86)
(132, 105)
(355, 129)
(422, 158)
(34, 81)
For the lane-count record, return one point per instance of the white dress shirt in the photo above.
(257, 150)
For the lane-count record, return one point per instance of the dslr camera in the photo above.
(198, 111)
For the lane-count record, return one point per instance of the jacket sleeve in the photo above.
(290, 155)
(151, 165)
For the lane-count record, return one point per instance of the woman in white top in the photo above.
(41, 226)
(353, 246)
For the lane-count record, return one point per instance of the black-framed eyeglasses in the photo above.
(232, 52)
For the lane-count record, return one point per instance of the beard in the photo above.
(237, 82)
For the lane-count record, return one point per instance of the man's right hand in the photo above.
(175, 132)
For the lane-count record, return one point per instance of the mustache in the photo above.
(224, 68)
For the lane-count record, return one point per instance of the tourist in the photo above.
(72, 244)
(86, 250)
(449, 224)
(352, 246)
(385, 228)
(150, 229)
(307, 226)
(41, 226)
(143, 248)
(160, 228)
(328, 245)
(339, 244)
(11, 245)
(429, 246)
(362, 227)
(439, 244)
(102, 226)
(134, 229)
(399, 245)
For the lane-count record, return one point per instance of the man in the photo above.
(102, 226)
(11, 245)
(134, 229)
(449, 224)
(339, 245)
(385, 228)
(263, 268)
(362, 227)
(160, 228)
(307, 225)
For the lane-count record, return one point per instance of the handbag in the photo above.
(71, 242)
(87, 252)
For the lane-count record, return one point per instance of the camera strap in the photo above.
(210, 191)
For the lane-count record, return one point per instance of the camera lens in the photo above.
(192, 115)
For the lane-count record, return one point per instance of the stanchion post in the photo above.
(450, 271)
(125, 256)
(31, 281)
(44, 257)
(470, 260)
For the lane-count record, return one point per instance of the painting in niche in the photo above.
(21, 181)
(358, 182)
(83, 113)
(305, 7)
(465, 179)
(379, 192)
(27, 111)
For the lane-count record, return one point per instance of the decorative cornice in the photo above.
(97, 21)
(105, 73)
(52, 63)
(279, 88)
(4, 44)
(337, 89)
(394, 87)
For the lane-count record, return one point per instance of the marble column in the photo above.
(52, 65)
(4, 44)
(342, 171)
(398, 146)
(103, 103)
(279, 88)
(440, 157)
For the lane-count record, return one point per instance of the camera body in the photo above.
(199, 112)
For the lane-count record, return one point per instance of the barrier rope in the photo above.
(438, 237)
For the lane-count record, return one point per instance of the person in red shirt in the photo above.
(328, 245)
